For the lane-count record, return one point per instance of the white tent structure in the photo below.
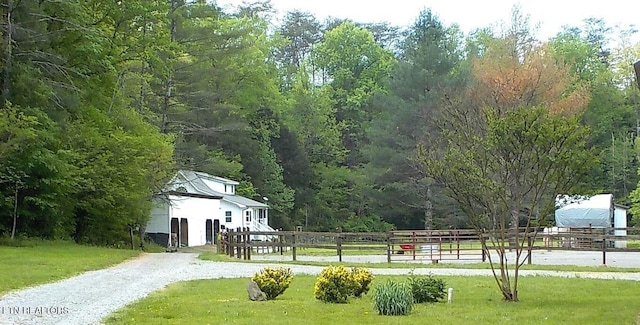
(594, 212)
(597, 211)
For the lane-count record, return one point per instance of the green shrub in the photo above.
(273, 282)
(361, 279)
(393, 298)
(21, 240)
(427, 288)
(334, 284)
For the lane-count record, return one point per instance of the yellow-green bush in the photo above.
(273, 282)
(336, 283)
(361, 278)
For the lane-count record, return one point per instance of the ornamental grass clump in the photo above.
(393, 298)
(273, 281)
(427, 288)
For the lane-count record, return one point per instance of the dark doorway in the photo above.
(216, 230)
(184, 233)
(209, 231)
(175, 230)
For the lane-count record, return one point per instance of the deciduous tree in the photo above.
(508, 146)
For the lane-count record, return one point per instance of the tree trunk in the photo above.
(143, 64)
(8, 55)
(141, 231)
(165, 106)
(168, 86)
(500, 242)
(428, 211)
(133, 245)
(15, 211)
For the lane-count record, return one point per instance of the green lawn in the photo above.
(48, 261)
(476, 301)
(633, 243)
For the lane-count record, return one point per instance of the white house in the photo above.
(196, 206)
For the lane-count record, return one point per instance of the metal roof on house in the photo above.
(196, 195)
(216, 178)
(196, 180)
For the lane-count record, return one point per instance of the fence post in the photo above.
(238, 242)
(413, 251)
(439, 247)
(293, 246)
(223, 247)
(604, 246)
(248, 244)
(389, 248)
(244, 243)
(529, 248)
(339, 247)
(230, 242)
(458, 243)
(483, 246)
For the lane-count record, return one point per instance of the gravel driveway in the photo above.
(91, 296)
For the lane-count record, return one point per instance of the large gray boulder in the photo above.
(255, 294)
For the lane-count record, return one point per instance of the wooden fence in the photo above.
(423, 245)
(396, 245)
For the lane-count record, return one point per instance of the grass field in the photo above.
(476, 300)
(633, 243)
(48, 261)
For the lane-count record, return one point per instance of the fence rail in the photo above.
(427, 245)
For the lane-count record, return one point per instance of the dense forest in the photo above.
(102, 101)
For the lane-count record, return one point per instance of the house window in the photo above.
(247, 216)
(228, 216)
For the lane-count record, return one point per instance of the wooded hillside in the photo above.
(102, 101)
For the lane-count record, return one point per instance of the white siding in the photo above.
(236, 215)
(159, 221)
(620, 221)
(196, 211)
(220, 187)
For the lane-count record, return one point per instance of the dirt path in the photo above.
(91, 296)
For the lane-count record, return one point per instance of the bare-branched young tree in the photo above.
(506, 146)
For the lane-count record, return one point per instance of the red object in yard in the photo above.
(407, 247)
